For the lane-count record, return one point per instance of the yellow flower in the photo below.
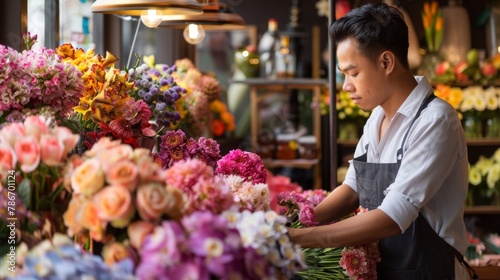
(455, 97)
(474, 176)
(493, 177)
(496, 155)
(149, 60)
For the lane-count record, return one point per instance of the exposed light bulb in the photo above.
(151, 18)
(194, 34)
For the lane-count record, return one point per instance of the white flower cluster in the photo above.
(266, 233)
(322, 6)
(479, 99)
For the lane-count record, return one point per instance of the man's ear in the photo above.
(387, 61)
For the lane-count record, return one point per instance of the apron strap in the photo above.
(472, 273)
(426, 102)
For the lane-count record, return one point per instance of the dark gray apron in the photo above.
(418, 253)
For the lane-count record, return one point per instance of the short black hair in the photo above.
(376, 27)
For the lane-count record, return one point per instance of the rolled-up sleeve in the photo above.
(431, 153)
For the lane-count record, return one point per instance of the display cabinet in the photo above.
(261, 88)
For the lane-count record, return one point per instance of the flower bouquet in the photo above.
(197, 108)
(188, 218)
(355, 262)
(106, 107)
(33, 156)
(156, 85)
(37, 81)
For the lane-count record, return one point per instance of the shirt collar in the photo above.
(418, 94)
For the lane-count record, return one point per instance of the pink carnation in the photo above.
(245, 164)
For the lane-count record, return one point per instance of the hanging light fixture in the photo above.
(215, 16)
(150, 11)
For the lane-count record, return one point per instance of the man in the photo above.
(410, 167)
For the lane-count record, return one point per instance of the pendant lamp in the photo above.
(215, 16)
(140, 7)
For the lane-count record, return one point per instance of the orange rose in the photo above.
(87, 178)
(115, 252)
(91, 221)
(114, 204)
(72, 218)
(137, 231)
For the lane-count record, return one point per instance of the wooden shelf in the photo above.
(487, 272)
(483, 142)
(297, 163)
(482, 210)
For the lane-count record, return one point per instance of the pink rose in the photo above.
(152, 201)
(69, 140)
(11, 133)
(51, 149)
(35, 126)
(123, 173)
(87, 178)
(114, 204)
(113, 155)
(27, 153)
(102, 144)
(137, 231)
(115, 252)
(7, 157)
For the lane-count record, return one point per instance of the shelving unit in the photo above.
(260, 88)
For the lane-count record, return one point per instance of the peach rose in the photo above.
(27, 153)
(123, 173)
(91, 221)
(115, 252)
(68, 138)
(11, 133)
(137, 231)
(114, 204)
(51, 149)
(114, 155)
(72, 218)
(102, 144)
(87, 178)
(152, 201)
(35, 126)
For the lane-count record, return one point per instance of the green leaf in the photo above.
(24, 192)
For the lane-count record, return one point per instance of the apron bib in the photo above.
(418, 253)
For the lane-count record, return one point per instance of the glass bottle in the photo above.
(268, 44)
(285, 59)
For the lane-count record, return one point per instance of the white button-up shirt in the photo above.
(433, 177)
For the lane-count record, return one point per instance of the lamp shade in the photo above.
(138, 7)
(214, 17)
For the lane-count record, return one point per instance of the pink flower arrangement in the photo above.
(249, 196)
(243, 163)
(203, 190)
(357, 262)
(175, 146)
(278, 184)
(360, 262)
(38, 79)
(115, 186)
(234, 245)
(34, 153)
